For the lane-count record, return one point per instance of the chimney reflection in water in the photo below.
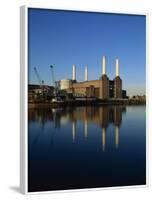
(117, 137)
(101, 116)
(117, 122)
(104, 120)
(103, 139)
(85, 128)
(73, 130)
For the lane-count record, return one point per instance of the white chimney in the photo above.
(103, 65)
(117, 67)
(73, 72)
(86, 73)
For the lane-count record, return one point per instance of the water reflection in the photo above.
(101, 116)
(86, 147)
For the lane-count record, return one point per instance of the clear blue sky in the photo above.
(64, 38)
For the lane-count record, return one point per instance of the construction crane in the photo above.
(41, 82)
(52, 73)
(53, 80)
(56, 89)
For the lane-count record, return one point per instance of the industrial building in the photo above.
(103, 88)
(70, 89)
(37, 92)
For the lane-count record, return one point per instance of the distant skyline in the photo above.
(63, 38)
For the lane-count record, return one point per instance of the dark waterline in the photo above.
(86, 147)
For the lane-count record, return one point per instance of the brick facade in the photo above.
(98, 88)
(117, 87)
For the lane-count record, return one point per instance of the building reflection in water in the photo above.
(101, 116)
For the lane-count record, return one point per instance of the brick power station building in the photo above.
(103, 88)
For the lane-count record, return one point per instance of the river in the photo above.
(86, 147)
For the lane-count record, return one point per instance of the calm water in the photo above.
(86, 147)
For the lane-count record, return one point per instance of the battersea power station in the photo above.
(103, 88)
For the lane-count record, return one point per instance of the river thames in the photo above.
(86, 147)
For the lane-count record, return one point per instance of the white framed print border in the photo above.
(24, 97)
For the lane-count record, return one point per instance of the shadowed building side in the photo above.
(104, 89)
(118, 88)
(117, 82)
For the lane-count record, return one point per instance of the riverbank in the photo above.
(86, 102)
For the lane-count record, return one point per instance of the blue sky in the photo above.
(64, 38)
